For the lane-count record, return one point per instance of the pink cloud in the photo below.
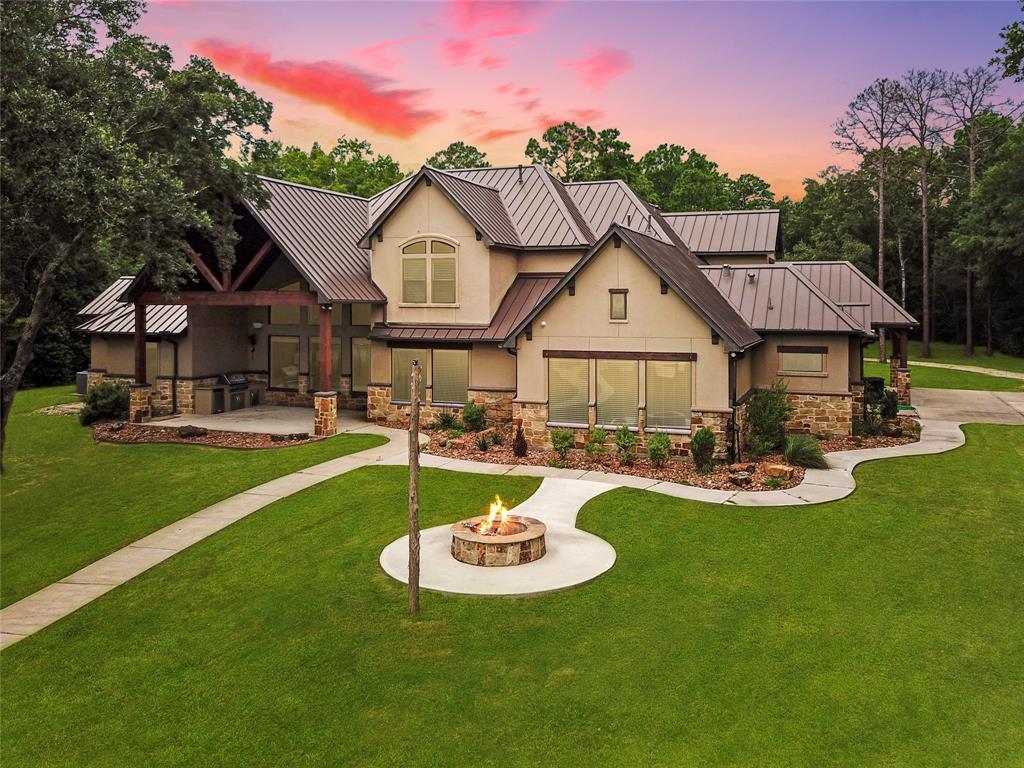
(529, 105)
(601, 66)
(491, 62)
(383, 55)
(474, 113)
(474, 23)
(457, 52)
(586, 115)
(363, 98)
(471, 15)
(501, 133)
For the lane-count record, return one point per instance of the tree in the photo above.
(922, 92)
(1011, 58)
(834, 220)
(872, 125)
(679, 179)
(967, 96)
(750, 192)
(458, 154)
(351, 166)
(575, 153)
(107, 149)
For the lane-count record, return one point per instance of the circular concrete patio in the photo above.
(573, 557)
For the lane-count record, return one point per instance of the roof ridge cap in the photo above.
(824, 297)
(549, 180)
(317, 189)
(464, 181)
(733, 210)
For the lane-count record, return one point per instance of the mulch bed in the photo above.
(120, 432)
(911, 434)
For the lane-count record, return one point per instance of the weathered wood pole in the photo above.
(414, 490)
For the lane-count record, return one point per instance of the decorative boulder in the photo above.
(743, 466)
(740, 478)
(190, 431)
(781, 471)
(890, 429)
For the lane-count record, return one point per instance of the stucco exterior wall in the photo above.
(217, 341)
(656, 323)
(836, 379)
(549, 261)
(426, 211)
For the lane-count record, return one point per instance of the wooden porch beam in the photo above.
(204, 270)
(326, 364)
(256, 260)
(140, 343)
(232, 298)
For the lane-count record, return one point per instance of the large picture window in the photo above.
(436, 269)
(360, 364)
(618, 392)
(568, 390)
(284, 362)
(314, 363)
(668, 394)
(450, 376)
(401, 370)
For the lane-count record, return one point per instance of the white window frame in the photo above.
(429, 258)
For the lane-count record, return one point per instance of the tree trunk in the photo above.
(969, 280)
(414, 491)
(926, 329)
(989, 348)
(11, 379)
(881, 244)
(903, 271)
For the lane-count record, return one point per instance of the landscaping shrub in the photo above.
(773, 482)
(474, 416)
(447, 420)
(595, 442)
(106, 400)
(659, 448)
(562, 440)
(804, 451)
(483, 442)
(702, 448)
(496, 438)
(625, 441)
(519, 446)
(890, 405)
(767, 412)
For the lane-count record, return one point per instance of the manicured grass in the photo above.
(945, 378)
(944, 352)
(880, 630)
(67, 501)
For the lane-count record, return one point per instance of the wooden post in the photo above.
(414, 491)
(326, 365)
(140, 343)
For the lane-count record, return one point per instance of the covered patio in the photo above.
(264, 419)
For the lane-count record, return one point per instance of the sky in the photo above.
(756, 86)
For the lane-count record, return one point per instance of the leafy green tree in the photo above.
(750, 192)
(106, 148)
(834, 220)
(351, 166)
(1011, 53)
(458, 154)
(686, 180)
(575, 153)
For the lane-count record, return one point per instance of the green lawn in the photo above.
(944, 352)
(67, 501)
(945, 378)
(881, 630)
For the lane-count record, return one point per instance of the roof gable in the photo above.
(604, 203)
(679, 272)
(850, 289)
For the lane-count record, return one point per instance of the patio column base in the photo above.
(325, 414)
(139, 409)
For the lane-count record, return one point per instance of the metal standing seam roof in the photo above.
(850, 289)
(525, 293)
(107, 301)
(482, 204)
(162, 319)
(754, 231)
(318, 231)
(539, 207)
(603, 203)
(680, 271)
(780, 299)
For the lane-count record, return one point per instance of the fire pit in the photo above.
(498, 538)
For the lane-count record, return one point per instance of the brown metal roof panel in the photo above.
(844, 283)
(164, 319)
(107, 300)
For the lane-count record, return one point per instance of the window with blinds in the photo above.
(442, 279)
(668, 394)
(450, 376)
(618, 392)
(401, 370)
(314, 364)
(802, 362)
(414, 281)
(360, 364)
(568, 390)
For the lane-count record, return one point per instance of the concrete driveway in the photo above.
(967, 405)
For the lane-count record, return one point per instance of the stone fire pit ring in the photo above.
(525, 545)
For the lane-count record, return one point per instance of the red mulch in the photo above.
(114, 432)
(911, 434)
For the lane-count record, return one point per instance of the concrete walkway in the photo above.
(968, 368)
(44, 607)
(942, 411)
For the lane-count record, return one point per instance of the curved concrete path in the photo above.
(573, 556)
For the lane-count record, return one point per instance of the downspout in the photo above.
(174, 377)
(734, 450)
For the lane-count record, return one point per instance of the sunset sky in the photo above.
(756, 86)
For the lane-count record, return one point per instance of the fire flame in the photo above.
(497, 512)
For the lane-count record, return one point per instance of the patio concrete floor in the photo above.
(267, 419)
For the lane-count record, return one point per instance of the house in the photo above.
(554, 305)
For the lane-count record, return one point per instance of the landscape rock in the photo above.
(740, 478)
(192, 431)
(781, 471)
(743, 466)
(116, 426)
(892, 430)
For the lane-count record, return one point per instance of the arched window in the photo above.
(429, 272)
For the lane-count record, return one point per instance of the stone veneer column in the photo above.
(325, 414)
(899, 378)
(857, 390)
(138, 403)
